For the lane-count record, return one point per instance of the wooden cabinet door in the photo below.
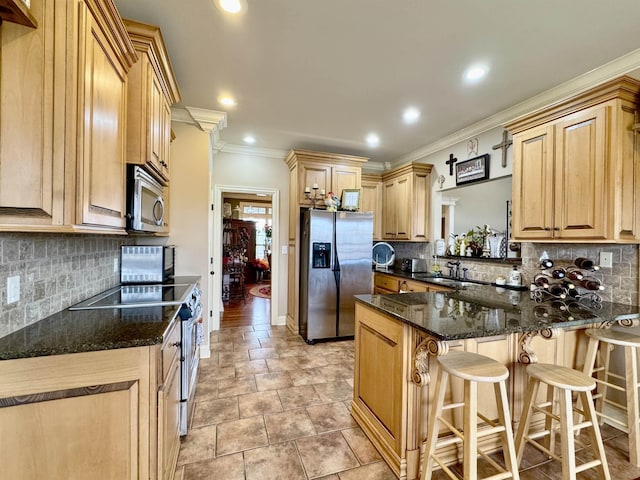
(101, 135)
(31, 129)
(166, 138)
(581, 175)
(532, 210)
(389, 218)
(310, 175)
(420, 205)
(403, 210)
(371, 201)
(379, 374)
(169, 423)
(344, 178)
(156, 125)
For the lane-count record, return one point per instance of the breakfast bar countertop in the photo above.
(74, 331)
(483, 311)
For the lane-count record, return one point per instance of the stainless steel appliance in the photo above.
(414, 265)
(147, 263)
(145, 201)
(192, 335)
(144, 303)
(335, 265)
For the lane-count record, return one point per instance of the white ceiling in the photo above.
(322, 74)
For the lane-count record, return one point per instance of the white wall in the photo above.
(189, 206)
(249, 170)
(486, 140)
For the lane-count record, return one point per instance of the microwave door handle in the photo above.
(158, 205)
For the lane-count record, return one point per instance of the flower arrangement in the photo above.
(260, 263)
(267, 231)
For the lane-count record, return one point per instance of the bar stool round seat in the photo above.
(625, 416)
(563, 382)
(472, 369)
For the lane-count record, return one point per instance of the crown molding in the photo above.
(373, 167)
(254, 151)
(206, 120)
(620, 66)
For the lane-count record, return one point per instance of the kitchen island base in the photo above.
(394, 363)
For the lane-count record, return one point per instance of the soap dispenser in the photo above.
(515, 279)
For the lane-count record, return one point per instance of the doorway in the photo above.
(245, 255)
(246, 259)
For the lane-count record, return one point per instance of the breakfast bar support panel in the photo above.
(394, 363)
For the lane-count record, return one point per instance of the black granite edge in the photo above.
(450, 281)
(65, 332)
(81, 348)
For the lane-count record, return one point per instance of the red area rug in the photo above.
(262, 291)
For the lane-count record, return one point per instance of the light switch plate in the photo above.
(13, 289)
(606, 259)
(116, 265)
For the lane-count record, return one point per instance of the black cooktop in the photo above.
(129, 296)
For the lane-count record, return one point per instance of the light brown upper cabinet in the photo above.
(575, 168)
(371, 201)
(62, 118)
(406, 193)
(152, 91)
(104, 56)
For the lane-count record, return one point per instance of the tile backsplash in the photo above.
(56, 271)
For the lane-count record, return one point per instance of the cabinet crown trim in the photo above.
(296, 156)
(413, 167)
(148, 39)
(107, 16)
(625, 88)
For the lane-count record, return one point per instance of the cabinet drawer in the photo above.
(170, 349)
(386, 282)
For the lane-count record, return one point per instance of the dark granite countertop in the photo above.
(484, 311)
(442, 280)
(90, 330)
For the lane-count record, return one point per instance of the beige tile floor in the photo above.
(268, 406)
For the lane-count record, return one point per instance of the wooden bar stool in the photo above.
(627, 417)
(472, 368)
(565, 381)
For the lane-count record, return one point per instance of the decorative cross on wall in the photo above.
(450, 162)
(504, 145)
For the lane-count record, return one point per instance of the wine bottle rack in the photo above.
(563, 290)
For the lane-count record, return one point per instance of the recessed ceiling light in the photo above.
(476, 73)
(227, 101)
(373, 140)
(249, 139)
(411, 115)
(231, 6)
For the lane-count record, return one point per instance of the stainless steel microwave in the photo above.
(145, 201)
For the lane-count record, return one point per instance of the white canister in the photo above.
(515, 278)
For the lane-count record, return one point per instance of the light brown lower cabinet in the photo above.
(393, 393)
(104, 414)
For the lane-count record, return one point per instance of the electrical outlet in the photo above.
(421, 256)
(606, 259)
(13, 289)
(116, 265)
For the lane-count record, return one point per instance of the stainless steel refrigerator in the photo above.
(335, 265)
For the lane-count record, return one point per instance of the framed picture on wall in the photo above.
(350, 200)
(473, 170)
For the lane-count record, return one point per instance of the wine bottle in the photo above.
(568, 285)
(558, 273)
(559, 305)
(574, 274)
(558, 290)
(541, 280)
(584, 263)
(591, 283)
(546, 263)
